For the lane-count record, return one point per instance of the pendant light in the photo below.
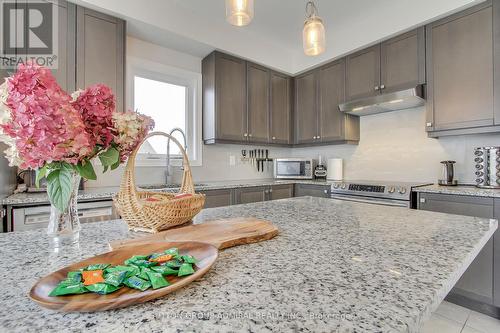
(239, 12)
(313, 33)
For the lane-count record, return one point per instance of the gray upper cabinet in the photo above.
(317, 97)
(333, 124)
(224, 98)
(363, 73)
(258, 91)
(306, 107)
(462, 53)
(402, 61)
(280, 130)
(100, 52)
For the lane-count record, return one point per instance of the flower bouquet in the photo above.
(59, 135)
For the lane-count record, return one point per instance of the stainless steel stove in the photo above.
(388, 193)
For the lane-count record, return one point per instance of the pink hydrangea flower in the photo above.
(96, 104)
(43, 124)
(131, 128)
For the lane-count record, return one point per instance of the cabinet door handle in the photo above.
(314, 138)
(422, 200)
(318, 137)
(245, 135)
(382, 87)
(270, 190)
(274, 138)
(250, 135)
(428, 124)
(377, 88)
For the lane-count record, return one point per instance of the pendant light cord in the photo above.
(311, 9)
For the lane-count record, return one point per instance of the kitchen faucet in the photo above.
(176, 129)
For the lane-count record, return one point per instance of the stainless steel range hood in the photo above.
(393, 101)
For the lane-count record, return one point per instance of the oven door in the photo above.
(370, 200)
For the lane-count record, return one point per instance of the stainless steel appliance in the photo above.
(294, 168)
(28, 218)
(388, 193)
(385, 102)
(448, 178)
(487, 161)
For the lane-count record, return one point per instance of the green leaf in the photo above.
(86, 170)
(109, 157)
(59, 188)
(116, 165)
(105, 169)
(40, 173)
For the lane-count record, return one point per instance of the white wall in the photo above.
(393, 146)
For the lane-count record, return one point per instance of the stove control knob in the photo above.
(392, 189)
(336, 185)
(343, 186)
(402, 190)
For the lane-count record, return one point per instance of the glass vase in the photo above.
(64, 226)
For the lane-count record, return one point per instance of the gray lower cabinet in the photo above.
(100, 52)
(479, 286)
(218, 198)
(280, 192)
(321, 191)
(463, 53)
(250, 194)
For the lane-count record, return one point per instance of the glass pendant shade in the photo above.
(239, 12)
(313, 36)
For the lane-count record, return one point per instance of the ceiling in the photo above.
(274, 38)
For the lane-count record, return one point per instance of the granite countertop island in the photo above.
(336, 265)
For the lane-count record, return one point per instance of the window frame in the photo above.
(173, 75)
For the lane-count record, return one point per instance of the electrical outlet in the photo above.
(232, 160)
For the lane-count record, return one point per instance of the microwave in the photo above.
(293, 168)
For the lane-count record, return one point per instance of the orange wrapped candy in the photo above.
(162, 259)
(92, 277)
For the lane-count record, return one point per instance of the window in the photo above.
(172, 97)
(167, 104)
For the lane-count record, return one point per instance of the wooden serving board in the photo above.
(204, 252)
(222, 233)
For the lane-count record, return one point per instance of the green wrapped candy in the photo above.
(115, 278)
(74, 276)
(189, 259)
(176, 264)
(67, 288)
(185, 269)
(165, 270)
(135, 258)
(143, 263)
(102, 288)
(157, 280)
(131, 270)
(173, 251)
(96, 267)
(137, 283)
(143, 274)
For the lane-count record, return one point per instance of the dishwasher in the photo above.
(29, 218)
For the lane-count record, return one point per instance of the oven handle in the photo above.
(392, 203)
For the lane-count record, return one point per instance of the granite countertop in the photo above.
(336, 265)
(106, 193)
(468, 190)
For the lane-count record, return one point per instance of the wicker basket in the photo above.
(166, 211)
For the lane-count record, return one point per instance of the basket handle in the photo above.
(128, 180)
